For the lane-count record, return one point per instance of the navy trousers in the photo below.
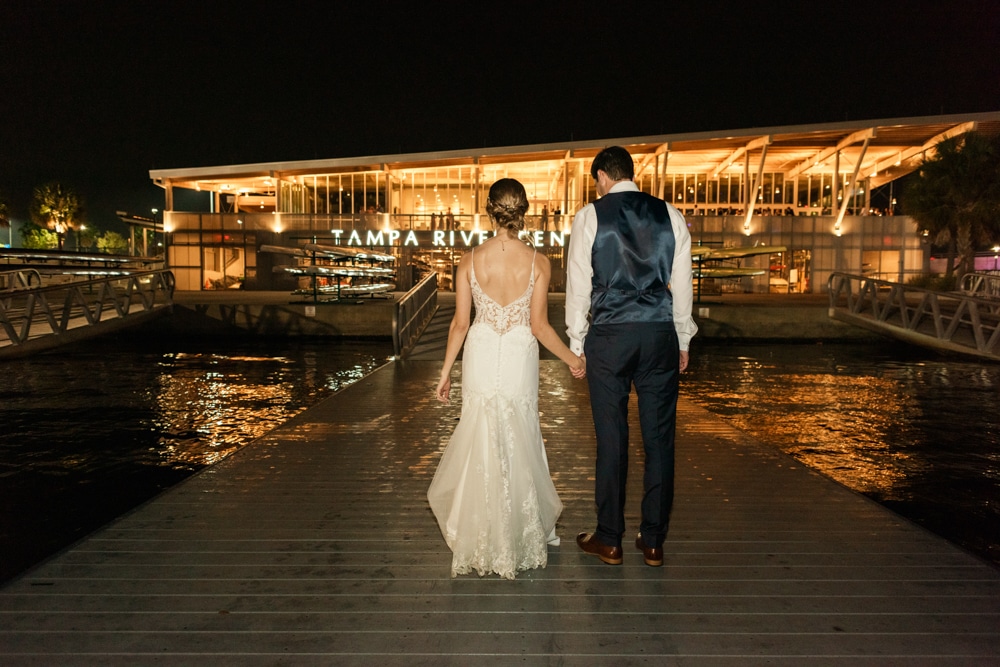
(643, 354)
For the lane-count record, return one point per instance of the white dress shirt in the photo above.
(579, 273)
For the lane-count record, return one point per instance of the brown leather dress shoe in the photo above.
(652, 555)
(593, 546)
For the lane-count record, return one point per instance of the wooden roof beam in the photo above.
(909, 153)
(759, 142)
(650, 158)
(850, 140)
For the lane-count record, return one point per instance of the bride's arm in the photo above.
(459, 326)
(540, 326)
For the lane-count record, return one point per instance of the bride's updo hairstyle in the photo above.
(507, 204)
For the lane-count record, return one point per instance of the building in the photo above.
(825, 192)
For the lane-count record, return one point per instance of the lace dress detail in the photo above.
(492, 494)
(502, 318)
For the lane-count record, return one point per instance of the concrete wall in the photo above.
(736, 317)
(773, 322)
(282, 316)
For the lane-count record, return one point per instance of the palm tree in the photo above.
(4, 215)
(955, 198)
(56, 207)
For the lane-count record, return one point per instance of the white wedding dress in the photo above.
(492, 494)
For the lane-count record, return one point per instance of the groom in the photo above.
(629, 270)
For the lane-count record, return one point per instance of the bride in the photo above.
(492, 494)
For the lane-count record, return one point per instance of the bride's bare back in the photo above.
(503, 268)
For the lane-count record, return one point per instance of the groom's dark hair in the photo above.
(614, 161)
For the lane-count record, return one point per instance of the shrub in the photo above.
(113, 243)
(933, 281)
(34, 237)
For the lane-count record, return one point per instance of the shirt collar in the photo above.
(624, 186)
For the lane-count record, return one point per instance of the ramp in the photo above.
(41, 318)
(952, 322)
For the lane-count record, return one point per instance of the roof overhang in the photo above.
(893, 148)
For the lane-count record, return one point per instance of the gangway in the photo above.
(983, 285)
(40, 318)
(413, 313)
(945, 321)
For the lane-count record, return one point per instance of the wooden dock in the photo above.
(314, 545)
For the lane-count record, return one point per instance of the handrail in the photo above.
(412, 313)
(54, 310)
(946, 321)
(16, 256)
(981, 284)
(19, 279)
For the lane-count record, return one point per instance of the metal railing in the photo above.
(26, 316)
(412, 313)
(19, 279)
(982, 284)
(946, 321)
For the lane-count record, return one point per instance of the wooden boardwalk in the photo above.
(314, 545)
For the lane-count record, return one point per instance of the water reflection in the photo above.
(917, 434)
(90, 434)
(206, 406)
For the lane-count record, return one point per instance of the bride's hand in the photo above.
(580, 371)
(443, 390)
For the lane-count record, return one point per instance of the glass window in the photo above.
(814, 192)
(735, 190)
(765, 191)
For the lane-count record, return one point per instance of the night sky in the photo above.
(95, 94)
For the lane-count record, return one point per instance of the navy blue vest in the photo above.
(632, 256)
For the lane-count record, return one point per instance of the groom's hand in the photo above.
(581, 372)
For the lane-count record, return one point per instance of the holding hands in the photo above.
(443, 390)
(579, 370)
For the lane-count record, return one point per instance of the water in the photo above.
(917, 433)
(93, 431)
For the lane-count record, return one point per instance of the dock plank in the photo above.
(315, 545)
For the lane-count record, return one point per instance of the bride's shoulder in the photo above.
(541, 260)
(465, 261)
